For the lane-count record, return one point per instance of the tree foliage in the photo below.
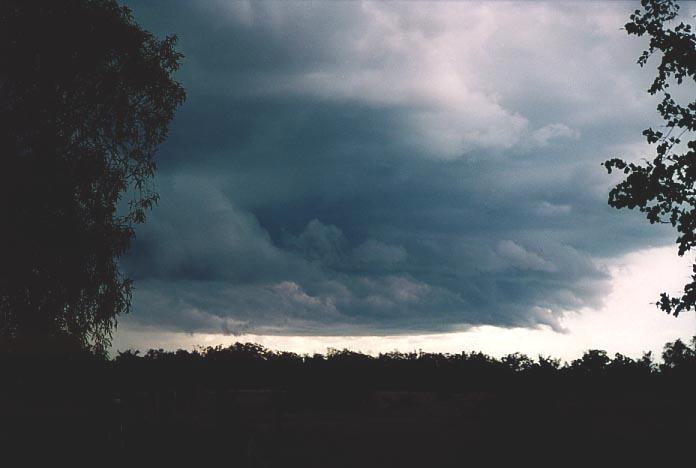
(86, 96)
(663, 187)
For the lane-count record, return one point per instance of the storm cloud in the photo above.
(373, 168)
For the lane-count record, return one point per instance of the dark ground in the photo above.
(244, 406)
(262, 428)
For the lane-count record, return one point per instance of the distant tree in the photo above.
(663, 187)
(127, 356)
(86, 96)
(238, 352)
(623, 368)
(592, 362)
(546, 365)
(518, 362)
(678, 355)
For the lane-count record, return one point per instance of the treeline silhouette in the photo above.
(252, 366)
(251, 406)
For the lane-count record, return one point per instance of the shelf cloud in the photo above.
(389, 168)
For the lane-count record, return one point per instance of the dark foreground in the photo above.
(347, 410)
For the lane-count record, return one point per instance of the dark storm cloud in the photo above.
(336, 170)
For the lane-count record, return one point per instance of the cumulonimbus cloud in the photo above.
(357, 168)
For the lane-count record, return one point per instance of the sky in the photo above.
(387, 175)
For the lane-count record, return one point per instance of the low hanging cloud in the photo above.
(203, 264)
(380, 168)
(523, 259)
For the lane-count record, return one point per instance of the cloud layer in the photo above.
(380, 168)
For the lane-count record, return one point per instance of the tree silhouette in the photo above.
(593, 361)
(86, 96)
(663, 187)
(679, 355)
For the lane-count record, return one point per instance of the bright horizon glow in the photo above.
(628, 323)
